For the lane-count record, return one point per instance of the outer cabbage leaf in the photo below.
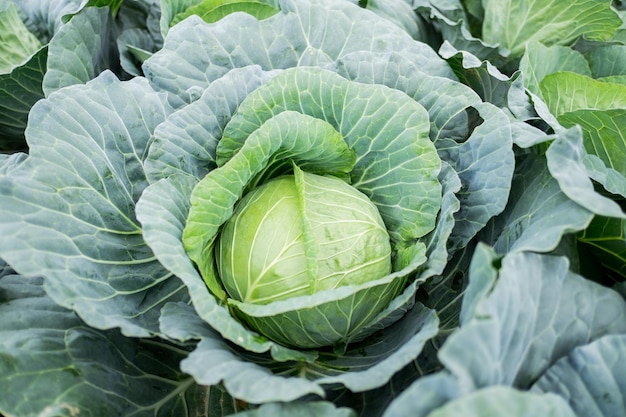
(361, 367)
(186, 143)
(81, 49)
(304, 33)
(566, 161)
(450, 106)
(52, 363)
(299, 409)
(567, 91)
(592, 378)
(213, 10)
(68, 209)
(604, 134)
(511, 24)
(607, 60)
(457, 27)
(538, 214)
(540, 60)
(18, 43)
(512, 333)
(498, 401)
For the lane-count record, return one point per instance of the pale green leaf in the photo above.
(17, 43)
(83, 176)
(513, 23)
(565, 158)
(592, 378)
(540, 60)
(604, 133)
(292, 38)
(213, 10)
(299, 409)
(536, 313)
(500, 401)
(80, 50)
(607, 60)
(538, 213)
(566, 92)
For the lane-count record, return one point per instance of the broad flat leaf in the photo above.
(425, 395)
(605, 238)
(565, 157)
(538, 213)
(513, 23)
(540, 60)
(607, 60)
(52, 363)
(82, 49)
(450, 106)
(67, 212)
(291, 39)
(10, 161)
(566, 92)
(592, 378)
(45, 17)
(445, 100)
(169, 9)
(213, 10)
(185, 143)
(401, 13)
(501, 401)
(17, 43)
(299, 409)
(604, 134)
(363, 366)
(612, 181)
(536, 313)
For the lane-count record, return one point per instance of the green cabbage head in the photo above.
(300, 234)
(313, 219)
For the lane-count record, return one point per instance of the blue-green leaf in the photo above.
(592, 378)
(536, 313)
(52, 363)
(292, 39)
(67, 211)
(498, 401)
(512, 24)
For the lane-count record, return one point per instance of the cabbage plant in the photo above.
(148, 206)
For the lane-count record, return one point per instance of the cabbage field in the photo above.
(313, 208)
